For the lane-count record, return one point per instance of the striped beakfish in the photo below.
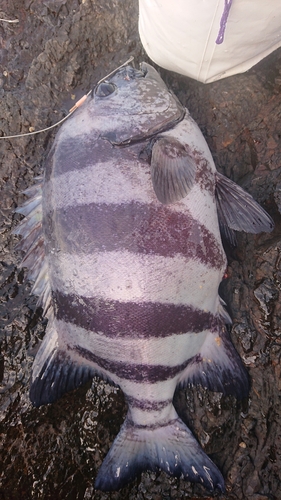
(122, 238)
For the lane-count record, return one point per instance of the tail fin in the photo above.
(170, 447)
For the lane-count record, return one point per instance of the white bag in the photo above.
(209, 39)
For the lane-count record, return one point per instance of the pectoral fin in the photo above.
(238, 210)
(172, 169)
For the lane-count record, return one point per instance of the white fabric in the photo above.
(180, 35)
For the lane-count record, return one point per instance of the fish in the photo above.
(122, 238)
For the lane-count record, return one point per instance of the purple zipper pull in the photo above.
(224, 17)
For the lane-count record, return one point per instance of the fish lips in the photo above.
(137, 105)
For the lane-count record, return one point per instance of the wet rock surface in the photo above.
(54, 452)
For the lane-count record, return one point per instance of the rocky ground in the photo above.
(57, 47)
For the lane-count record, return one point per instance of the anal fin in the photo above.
(218, 367)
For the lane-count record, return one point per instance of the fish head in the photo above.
(134, 104)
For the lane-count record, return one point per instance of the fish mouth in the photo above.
(131, 73)
(136, 104)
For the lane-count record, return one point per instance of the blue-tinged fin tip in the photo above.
(54, 373)
(169, 447)
(218, 366)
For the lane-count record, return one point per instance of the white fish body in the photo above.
(128, 261)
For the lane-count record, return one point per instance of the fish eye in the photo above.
(105, 89)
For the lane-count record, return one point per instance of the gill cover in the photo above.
(136, 103)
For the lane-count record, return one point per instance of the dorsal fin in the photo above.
(32, 244)
(54, 370)
(172, 169)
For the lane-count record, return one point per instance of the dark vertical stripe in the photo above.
(147, 405)
(136, 227)
(77, 153)
(146, 374)
(140, 320)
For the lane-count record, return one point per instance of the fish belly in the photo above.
(134, 282)
(125, 249)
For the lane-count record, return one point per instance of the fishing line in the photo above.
(10, 20)
(71, 111)
(114, 71)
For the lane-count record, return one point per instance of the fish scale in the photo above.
(128, 259)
